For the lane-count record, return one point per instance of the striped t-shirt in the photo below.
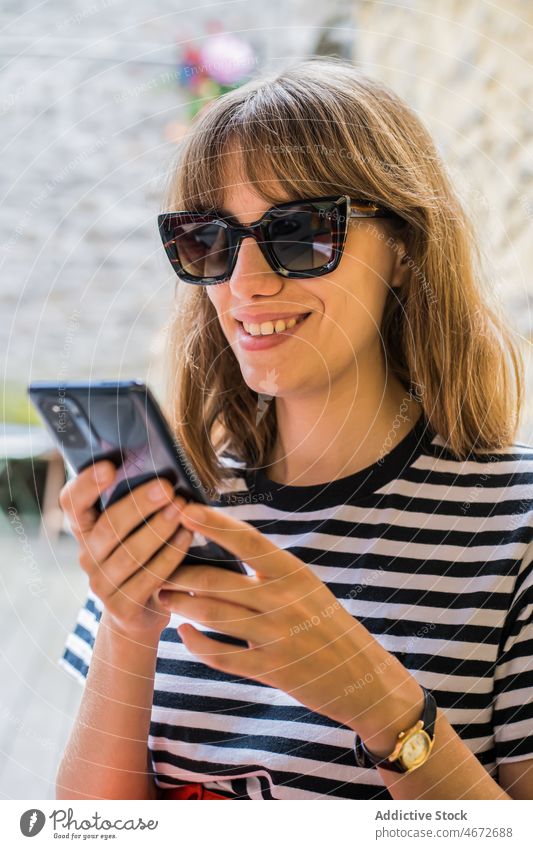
(433, 555)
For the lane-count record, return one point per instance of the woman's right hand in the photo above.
(124, 565)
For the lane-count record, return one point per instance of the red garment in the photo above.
(190, 791)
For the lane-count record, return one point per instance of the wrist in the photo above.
(398, 711)
(126, 640)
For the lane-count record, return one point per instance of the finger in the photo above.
(133, 553)
(125, 515)
(78, 497)
(231, 619)
(241, 539)
(256, 592)
(235, 660)
(145, 582)
(247, 590)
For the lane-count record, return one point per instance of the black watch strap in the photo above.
(367, 760)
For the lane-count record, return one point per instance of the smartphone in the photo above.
(122, 422)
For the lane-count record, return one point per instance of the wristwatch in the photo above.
(412, 748)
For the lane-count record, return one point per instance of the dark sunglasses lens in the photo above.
(302, 238)
(202, 249)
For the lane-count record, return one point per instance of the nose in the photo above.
(252, 272)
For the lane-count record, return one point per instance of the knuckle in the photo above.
(96, 583)
(86, 559)
(104, 533)
(212, 611)
(123, 558)
(77, 532)
(180, 547)
(65, 497)
(128, 511)
(169, 553)
(255, 544)
(204, 580)
(163, 520)
(150, 571)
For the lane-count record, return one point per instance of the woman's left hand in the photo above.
(300, 637)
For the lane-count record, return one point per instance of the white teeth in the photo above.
(268, 327)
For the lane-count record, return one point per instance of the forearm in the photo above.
(106, 755)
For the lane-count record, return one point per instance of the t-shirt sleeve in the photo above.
(79, 645)
(513, 686)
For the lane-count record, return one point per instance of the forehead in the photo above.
(243, 204)
(238, 194)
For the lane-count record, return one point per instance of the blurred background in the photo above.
(94, 98)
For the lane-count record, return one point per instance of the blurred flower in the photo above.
(221, 64)
(228, 59)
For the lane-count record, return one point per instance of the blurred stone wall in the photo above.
(87, 95)
(467, 69)
(88, 92)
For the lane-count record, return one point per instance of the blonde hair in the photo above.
(318, 128)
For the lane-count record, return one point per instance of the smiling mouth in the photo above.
(272, 328)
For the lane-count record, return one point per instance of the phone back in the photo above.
(117, 421)
(121, 421)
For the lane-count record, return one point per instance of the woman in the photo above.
(380, 504)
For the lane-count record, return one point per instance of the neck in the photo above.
(341, 432)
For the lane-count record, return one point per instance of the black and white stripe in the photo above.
(433, 555)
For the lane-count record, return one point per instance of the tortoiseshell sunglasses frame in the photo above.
(341, 208)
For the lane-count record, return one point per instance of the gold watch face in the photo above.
(415, 749)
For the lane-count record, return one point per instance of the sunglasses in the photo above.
(300, 238)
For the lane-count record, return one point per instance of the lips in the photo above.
(249, 342)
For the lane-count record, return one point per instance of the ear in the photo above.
(401, 269)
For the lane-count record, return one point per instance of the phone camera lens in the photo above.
(62, 416)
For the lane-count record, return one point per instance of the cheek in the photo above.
(353, 319)
(360, 292)
(214, 295)
(218, 299)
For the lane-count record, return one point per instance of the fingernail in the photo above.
(171, 511)
(157, 492)
(195, 511)
(102, 473)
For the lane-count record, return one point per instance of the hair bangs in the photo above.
(262, 137)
